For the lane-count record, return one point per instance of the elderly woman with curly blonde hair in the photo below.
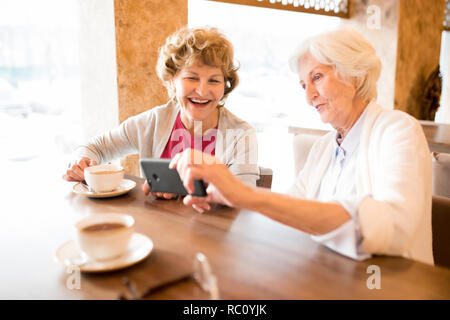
(198, 70)
(366, 186)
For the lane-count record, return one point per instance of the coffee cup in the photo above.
(104, 236)
(104, 178)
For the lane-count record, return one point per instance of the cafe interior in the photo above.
(95, 69)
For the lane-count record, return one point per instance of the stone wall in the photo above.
(420, 25)
(141, 28)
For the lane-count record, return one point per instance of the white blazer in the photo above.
(394, 172)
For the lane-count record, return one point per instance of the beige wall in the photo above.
(141, 28)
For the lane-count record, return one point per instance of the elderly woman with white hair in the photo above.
(366, 186)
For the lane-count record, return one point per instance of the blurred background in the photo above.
(59, 80)
(41, 74)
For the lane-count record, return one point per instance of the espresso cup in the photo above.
(104, 236)
(104, 178)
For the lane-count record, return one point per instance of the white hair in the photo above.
(352, 56)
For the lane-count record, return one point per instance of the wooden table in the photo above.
(252, 256)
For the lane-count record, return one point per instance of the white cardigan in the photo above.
(394, 176)
(148, 133)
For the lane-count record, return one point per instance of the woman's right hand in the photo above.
(75, 171)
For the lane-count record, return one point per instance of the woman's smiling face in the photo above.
(199, 89)
(325, 91)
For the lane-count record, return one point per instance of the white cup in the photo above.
(104, 244)
(105, 177)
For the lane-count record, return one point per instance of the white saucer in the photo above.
(140, 248)
(125, 186)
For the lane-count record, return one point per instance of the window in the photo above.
(337, 8)
(39, 80)
(443, 113)
(268, 95)
(58, 83)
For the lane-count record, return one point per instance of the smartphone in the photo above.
(162, 179)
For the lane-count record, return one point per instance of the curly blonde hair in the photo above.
(187, 47)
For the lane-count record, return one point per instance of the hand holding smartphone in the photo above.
(162, 179)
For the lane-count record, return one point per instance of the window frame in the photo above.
(291, 7)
